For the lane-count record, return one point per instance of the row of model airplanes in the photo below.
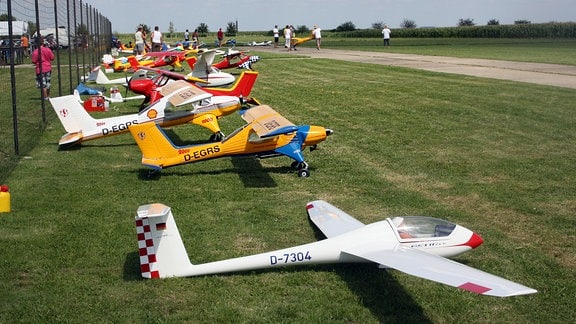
(171, 98)
(415, 245)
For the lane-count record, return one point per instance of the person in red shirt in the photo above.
(42, 57)
(220, 37)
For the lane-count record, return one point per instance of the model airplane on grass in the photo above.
(150, 86)
(264, 43)
(412, 244)
(180, 103)
(236, 59)
(115, 95)
(171, 58)
(267, 134)
(202, 69)
(99, 77)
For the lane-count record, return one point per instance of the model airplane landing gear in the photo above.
(302, 168)
(217, 137)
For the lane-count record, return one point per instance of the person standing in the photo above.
(195, 38)
(386, 32)
(316, 32)
(186, 36)
(25, 43)
(157, 40)
(220, 36)
(42, 57)
(288, 37)
(276, 35)
(139, 42)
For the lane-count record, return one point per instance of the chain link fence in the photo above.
(78, 36)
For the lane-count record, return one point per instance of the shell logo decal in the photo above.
(152, 113)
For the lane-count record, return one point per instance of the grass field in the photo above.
(497, 157)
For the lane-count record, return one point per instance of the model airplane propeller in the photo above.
(413, 244)
(180, 103)
(267, 134)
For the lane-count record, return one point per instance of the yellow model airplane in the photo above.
(266, 134)
(299, 40)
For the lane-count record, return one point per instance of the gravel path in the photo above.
(539, 73)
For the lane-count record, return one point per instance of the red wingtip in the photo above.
(474, 241)
(309, 206)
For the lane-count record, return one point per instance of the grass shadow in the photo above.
(378, 291)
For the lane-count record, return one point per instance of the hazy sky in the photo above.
(328, 14)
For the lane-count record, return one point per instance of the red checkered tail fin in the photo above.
(162, 252)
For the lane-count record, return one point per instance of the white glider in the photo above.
(413, 244)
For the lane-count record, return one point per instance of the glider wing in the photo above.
(439, 269)
(331, 220)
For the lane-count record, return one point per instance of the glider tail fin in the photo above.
(72, 114)
(162, 252)
(157, 149)
(101, 78)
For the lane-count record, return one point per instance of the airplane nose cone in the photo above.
(316, 134)
(474, 241)
(329, 132)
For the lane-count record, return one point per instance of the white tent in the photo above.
(18, 28)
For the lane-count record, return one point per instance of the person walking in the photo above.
(287, 38)
(386, 32)
(316, 32)
(42, 57)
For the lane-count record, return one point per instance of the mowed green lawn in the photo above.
(497, 157)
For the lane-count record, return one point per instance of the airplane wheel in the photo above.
(299, 165)
(303, 173)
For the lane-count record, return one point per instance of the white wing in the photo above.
(439, 269)
(331, 220)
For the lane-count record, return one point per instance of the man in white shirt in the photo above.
(157, 40)
(276, 35)
(317, 36)
(386, 33)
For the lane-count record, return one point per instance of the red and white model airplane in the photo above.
(412, 244)
(150, 86)
(236, 59)
(180, 103)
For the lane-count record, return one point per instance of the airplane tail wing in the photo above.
(72, 114)
(242, 87)
(133, 62)
(162, 252)
(157, 149)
